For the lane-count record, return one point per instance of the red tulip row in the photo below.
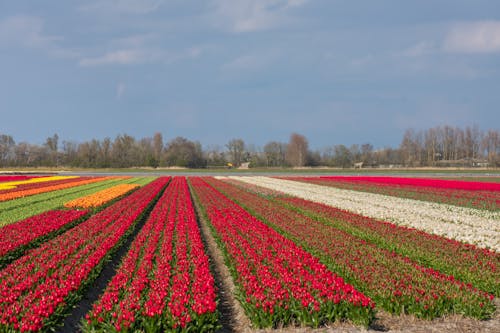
(465, 261)
(422, 182)
(279, 283)
(15, 178)
(35, 289)
(396, 283)
(22, 233)
(479, 195)
(164, 282)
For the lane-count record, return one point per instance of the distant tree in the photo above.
(88, 153)
(7, 145)
(275, 153)
(313, 158)
(409, 148)
(297, 149)
(214, 156)
(491, 145)
(342, 156)
(355, 153)
(70, 153)
(105, 153)
(157, 147)
(236, 149)
(366, 153)
(147, 153)
(184, 153)
(328, 156)
(52, 144)
(123, 151)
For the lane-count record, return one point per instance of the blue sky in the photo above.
(336, 71)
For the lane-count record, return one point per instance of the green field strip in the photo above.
(29, 200)
(140, 180)
(51, 200)
(32, 199)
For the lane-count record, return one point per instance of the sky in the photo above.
(336, 71)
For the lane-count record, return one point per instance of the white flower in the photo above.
(464, 224)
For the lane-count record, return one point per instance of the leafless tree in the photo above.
(7, 144)
(236, 148)
(158, 147)
(275, 153)
(296, 150)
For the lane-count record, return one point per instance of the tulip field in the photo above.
(298, 251)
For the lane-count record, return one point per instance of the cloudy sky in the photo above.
(336, 71)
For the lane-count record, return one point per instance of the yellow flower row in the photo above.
(100, 198)
(14, 184)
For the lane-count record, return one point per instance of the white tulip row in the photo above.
(473, 226)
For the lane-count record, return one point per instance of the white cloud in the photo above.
(253, 15)
(28, 32)
(420, 49)
(122, 6)
(473, 37)
(119, 57)
(142, 54)
(24, 30)
(250, 62)
(245, 62)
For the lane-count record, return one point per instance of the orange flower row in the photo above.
(49, 188)
(100, 198)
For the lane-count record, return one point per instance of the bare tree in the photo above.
(105, 154)
(52, 143)
(7, 144)
(157, 147)
(123, 151)
(275, 153)
(236, 148)
(296, 150)
(70, 153)
(491, 145)
(342, 156)
(411, 148)
(366, 153)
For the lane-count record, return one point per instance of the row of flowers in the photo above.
(396, 283)
(469, 225)
(480, 195)
(102, 197)
(21, 208)
(422, 182)
(278, 283)
(465, 261)
(49, 187)
(36, 289)
(13, 184)
(16, 178)
(164, 282)
(15, 236)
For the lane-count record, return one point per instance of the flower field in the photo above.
(299, 251)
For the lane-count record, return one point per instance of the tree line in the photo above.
(437, 146)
